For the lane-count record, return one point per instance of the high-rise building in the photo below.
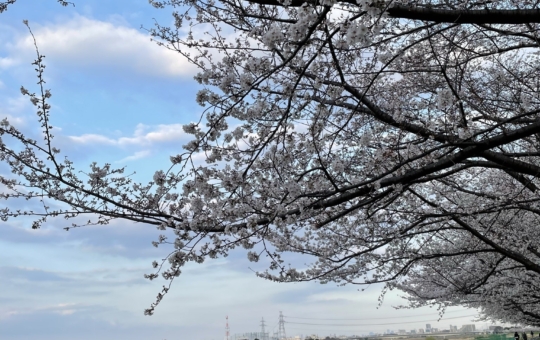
(468, 328)
(428, 328)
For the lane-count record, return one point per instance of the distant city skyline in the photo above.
(465, 328)
(345, 326)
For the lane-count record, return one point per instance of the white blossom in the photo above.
(445, 99)
(356, 33)
(272, 36)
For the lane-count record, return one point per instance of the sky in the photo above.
(119, 98)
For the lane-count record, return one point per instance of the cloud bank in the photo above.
(143, 135)
(84, 42)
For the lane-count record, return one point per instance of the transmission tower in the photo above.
(263, 331)
(227, 330)
(281, 331)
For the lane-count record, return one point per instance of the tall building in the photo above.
(250, 336)
(468, 328)
(428, 328)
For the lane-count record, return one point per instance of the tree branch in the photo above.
(483, 16)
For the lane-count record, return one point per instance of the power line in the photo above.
(372, 324)
(386, 318)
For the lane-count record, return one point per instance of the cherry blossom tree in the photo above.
(395, 142)
(4, 4)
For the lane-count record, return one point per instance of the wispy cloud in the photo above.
(14, 109)
(90, 138)
(136, 156)
(144, 135)
(7, 62)
(85, 42)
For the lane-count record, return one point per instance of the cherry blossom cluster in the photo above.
(344, 142)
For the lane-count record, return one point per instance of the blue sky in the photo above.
(121, 99)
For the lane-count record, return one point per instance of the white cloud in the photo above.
(137, 155)
(13, 120)
(90, 138)
(7, 63)
(13, 109)
(59, 308)
(163, 133)
(144, 135)
(84, 42)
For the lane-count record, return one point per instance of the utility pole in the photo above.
(281, 331)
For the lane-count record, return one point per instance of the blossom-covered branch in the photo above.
(394, 142)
